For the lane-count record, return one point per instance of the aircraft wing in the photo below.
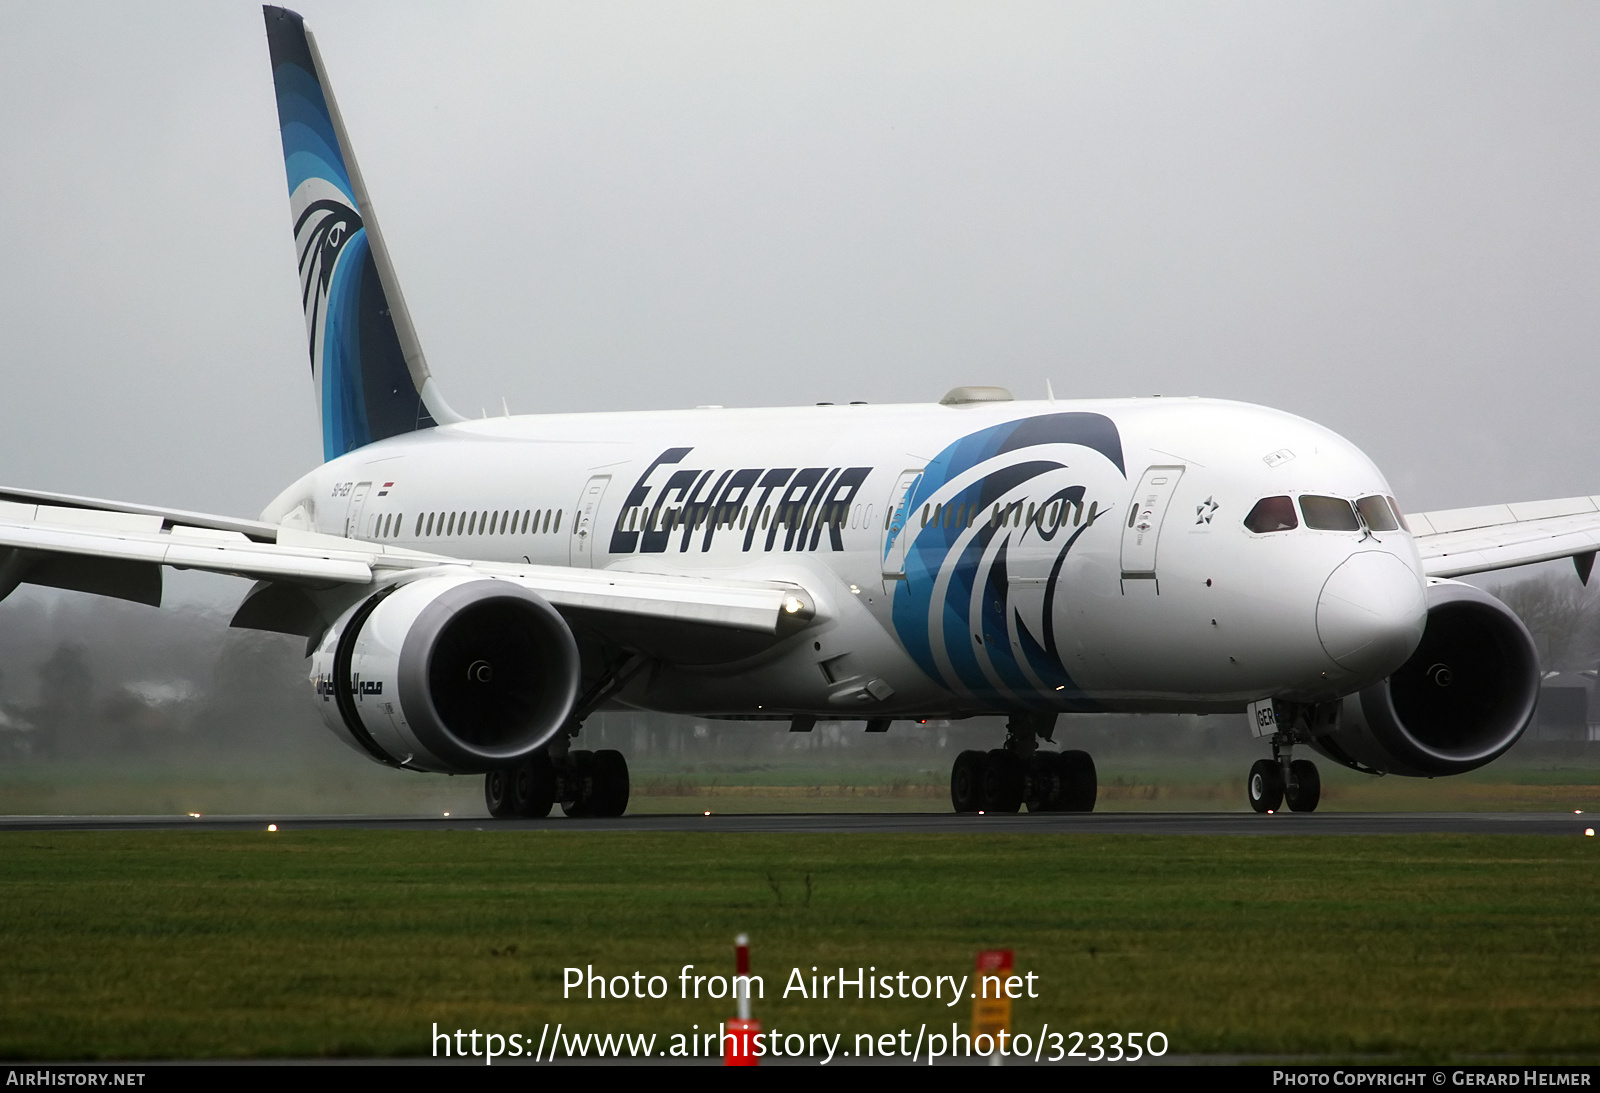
(120, 553)
(1456, 542)
(250, 529)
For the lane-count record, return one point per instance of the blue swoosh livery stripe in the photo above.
(949, 582)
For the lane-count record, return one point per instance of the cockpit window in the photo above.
(1377, 514)
(1328, 513)
(1394, 506)
(1272, 514)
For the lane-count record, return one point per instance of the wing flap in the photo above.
(758, 606)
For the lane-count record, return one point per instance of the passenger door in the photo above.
(352, 514)
(897, 530)
(1141, 531)
(583, 535)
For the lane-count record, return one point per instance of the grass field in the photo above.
(192, 944)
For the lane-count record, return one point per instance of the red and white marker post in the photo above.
(991, 1003)
(739, 1042)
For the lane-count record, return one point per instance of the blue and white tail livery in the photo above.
(372, 380)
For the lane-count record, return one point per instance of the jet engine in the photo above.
(1463, 698)
(454, 674)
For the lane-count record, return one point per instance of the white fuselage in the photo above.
(974, 558)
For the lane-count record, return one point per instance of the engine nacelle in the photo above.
(1463, 698)
(454, 674)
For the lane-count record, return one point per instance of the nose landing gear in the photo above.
(1304, 789)
(1278, 780)
(1281, 779)
(1266, 785)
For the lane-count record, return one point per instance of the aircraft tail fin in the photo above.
(371, 377)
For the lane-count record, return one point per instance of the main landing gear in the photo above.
(1018, 773)
(586, 783)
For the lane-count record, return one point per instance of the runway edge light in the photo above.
(738, 1042)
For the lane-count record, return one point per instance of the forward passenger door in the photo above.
(1141, 531)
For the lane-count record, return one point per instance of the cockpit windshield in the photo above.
(1328, 513)
(1323, 513)
(1377, 514)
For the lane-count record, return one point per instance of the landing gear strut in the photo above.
(1018, 773)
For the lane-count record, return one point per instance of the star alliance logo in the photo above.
(1204, 511)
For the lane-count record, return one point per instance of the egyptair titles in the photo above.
(766, 508)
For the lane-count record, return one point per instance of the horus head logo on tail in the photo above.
(320, 234)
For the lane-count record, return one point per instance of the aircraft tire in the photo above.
(1080, 782)
(610, 784)
(1265, 786)
(1005, 778)
(497, 794)
(1045, 784)
(1305, 788)
(578, 784)
(533, 787)
(966, 781)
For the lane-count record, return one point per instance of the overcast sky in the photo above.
(1383, 216)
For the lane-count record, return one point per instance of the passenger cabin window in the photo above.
(1377, 514)
(1328, 513)
(1272, 514)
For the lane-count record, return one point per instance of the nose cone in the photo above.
(1371, 613)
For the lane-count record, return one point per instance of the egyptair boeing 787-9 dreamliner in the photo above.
(471, 590)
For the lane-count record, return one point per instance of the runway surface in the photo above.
(881, 823)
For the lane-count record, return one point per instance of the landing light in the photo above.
(792, 605)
